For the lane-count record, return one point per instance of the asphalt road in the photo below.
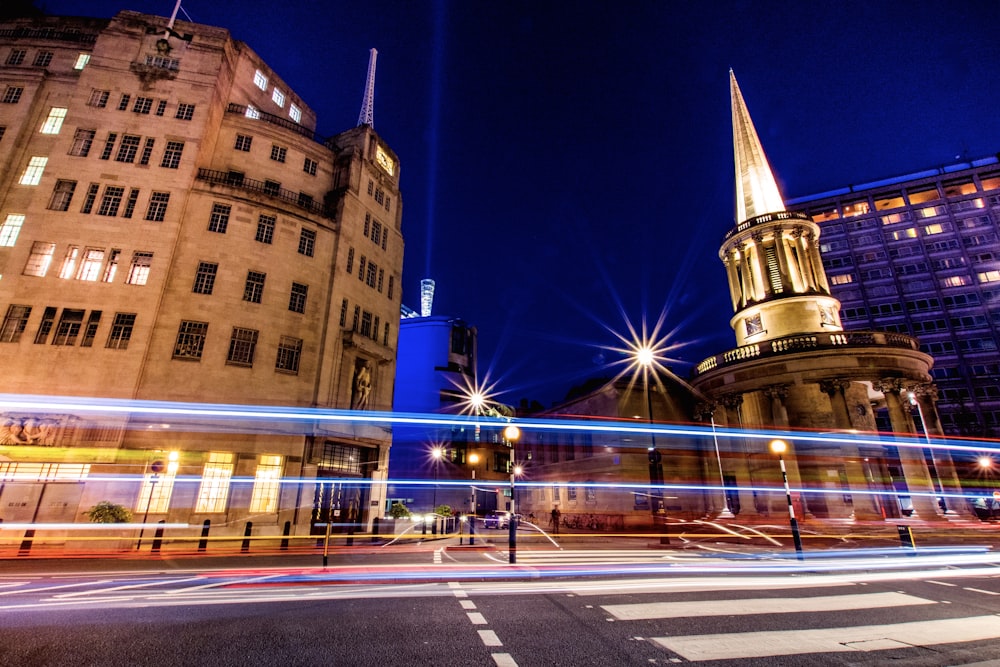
(627, 607)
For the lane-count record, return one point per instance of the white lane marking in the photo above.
(15, 583)
(490, 638)
(461, 594)
(437, 556)
(941, 583)
(53, 588)
(830, 640)
(454, 584)
(467, 604)
(695, 608)
(696, 585)
(979, 590)
(476, 618)
(503, 660)
(144, 584)
(224, 582)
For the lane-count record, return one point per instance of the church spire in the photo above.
(367, 115)
(756, 190)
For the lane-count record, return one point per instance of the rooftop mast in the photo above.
(367, 115)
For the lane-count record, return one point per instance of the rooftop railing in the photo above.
(266, 188)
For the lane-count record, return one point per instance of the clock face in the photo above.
(385, 161)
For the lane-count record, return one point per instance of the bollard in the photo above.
(25, 548)
(158, 537)
(203, 542)
(285, 532)
(375, 529)
(246, 537)
(906, 537)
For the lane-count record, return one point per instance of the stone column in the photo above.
(741, 464)
(794, 272)
(816, 260)
(865, 504)
(777, 393)
(733, 275)
(926, 395)
(802, 260)
(911, 459)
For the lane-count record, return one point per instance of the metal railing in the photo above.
(265, 188)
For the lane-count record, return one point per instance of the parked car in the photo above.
(496, 520)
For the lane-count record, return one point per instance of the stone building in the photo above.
(796, 366)
(172, 228)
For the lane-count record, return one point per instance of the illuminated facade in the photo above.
(796, 366)
(172, 228)
(919, 254)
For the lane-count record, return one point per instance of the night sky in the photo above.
(568, 165)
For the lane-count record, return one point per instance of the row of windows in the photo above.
(128, 149)
(253, 290)
(42, 58)
(364, 323)
(375, 231)
(369, 273)
(244, 142)
(141, 105)
(277, 96)
(190, 345)
(379, 195)
(916, 196)
(111, 200)
(89, 264)
(69, 328)
(218, 222)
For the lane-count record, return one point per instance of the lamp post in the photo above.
(473, 459)
(511, 434)
(644, 356)
(726, 512)
(779, 447)
(927, 436)
(436, 454)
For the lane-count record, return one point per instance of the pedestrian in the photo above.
(555, 520)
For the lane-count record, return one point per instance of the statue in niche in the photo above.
(27, 431)
(361, 385)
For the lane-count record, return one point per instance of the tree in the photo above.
(108, 512)
(399, 511)
(443, 510)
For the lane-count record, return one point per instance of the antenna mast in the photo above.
(367, 115)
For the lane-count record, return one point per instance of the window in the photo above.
(142, 105)
(133, 197)
(54, 122)
(219, 219)
(901, 234)
(123, 102)
(160, 62)
(254, 289)
(154, 495)
(295, 113)
(307, 242)
(112, 268)
(297, 301)
(243, 143)
(955, 281)
(90, 198)
(109, 146)
(42, 59)
(381, 276)
(350, 261)
(371, 275)
(343, 312)
(252, 112)
(241, 347)
(361, 268)
(385, 334)
(930, 211)
(111, 200)
(272, 188)
(184, 111)
(90, 331)
(33, 172)
(121, 331)
(289, 352)
(16, 57)
(924, 196)
(147, 151)
(39, 259)
(161, 107)
(266, 484)
(81, 61)
(278, 153)
(278, 97)
(157, 206)
(305, 201)
(214, 490)
(190, 340)
(265, 228)
(392, 282)
(69, 327)
(260, 80)
(309, 166)
(10, 229)
(45, 326)
(82, 141)
(128, 148)
(988, 276)
(204, 279)
(12, 95)
(376, 232)
(892, 218)
(98, 98)
(14, 323)
(357, 318)
(172, 155)
(90, 267)
(138, 272)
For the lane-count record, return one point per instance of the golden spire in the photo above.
(756, 190)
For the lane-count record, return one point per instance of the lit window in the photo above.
(39, 259)
(81, 61)
(90, 267)
(289, 353)
(241, 347)
(260, 80)
(154, 496)
(214, 489)
(138, 273)
(904, 234)
(295, 113)
(14, 324)
(930, 211)
(955, 281)
(278, 97)
(9, 230)
(842, 279)
(988, 276)
(55, 120)
(252, 112)
(924, 196)
(112, 268)
(33, 173)
(931, 230)
(190, 340)
(266, 484)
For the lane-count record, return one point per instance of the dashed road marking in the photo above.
(476, 618)
(468, 604)
(490, 638)
(503, 660)
(979, 590)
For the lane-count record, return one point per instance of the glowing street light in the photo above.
(778, 447)
(511, 435)
(985, 462)
(473, 460)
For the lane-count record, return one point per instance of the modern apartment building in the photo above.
(172, 228)
(919, 254)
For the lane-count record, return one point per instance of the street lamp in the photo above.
(779, 447)
(930, 447)
(644, 356)
(511, 434)
(473, 460)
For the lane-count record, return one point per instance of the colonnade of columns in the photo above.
(799, 265)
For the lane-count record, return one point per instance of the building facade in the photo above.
(172, 228)
(919, 254)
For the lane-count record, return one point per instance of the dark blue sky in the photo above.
(560, 158)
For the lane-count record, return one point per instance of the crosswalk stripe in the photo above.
(830, 640)
(695, 608)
